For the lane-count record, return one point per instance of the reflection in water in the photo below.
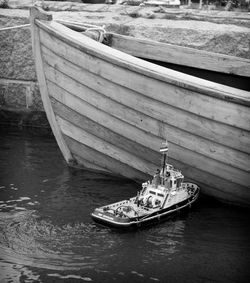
(47, 235)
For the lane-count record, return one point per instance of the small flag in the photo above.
(164, 147)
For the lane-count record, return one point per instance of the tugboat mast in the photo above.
(164, 150)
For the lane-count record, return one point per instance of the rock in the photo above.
(16, 57)
(4, 4)
(225, 39)
(15, 4)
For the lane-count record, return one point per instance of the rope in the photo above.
(15, 27)
(88, 27)
(100, 30)
(80, 24)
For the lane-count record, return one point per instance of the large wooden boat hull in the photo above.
(110, 111)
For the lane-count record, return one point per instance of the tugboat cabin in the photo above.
(165, 184)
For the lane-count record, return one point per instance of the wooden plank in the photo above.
(227, 194)
(200, 145)
(121, 84)
(181, 55)
(103, 132)
(116, 58)
(138, 115)
(104, 119)
(99, 159)
(212, 166)
(90, 166)
(215, 185)
(104, 147)
(189, 157)
(42, 82)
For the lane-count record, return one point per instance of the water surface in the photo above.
(47, 234)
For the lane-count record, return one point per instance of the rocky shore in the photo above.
(217, 31)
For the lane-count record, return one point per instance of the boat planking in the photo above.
(109, 111)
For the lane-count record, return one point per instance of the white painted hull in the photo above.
(110, 111)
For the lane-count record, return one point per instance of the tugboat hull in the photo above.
(108, 219)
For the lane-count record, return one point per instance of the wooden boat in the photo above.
(109, 110)
(165, 195)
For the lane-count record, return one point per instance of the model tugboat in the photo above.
(164, 195)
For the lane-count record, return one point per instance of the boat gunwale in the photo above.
(82, 27)
(124, 60)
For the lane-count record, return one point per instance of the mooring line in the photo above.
(14, 27)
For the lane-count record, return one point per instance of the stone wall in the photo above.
(17, 72)
(19, 92)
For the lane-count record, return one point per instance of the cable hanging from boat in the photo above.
(15, 27)
(88, 27)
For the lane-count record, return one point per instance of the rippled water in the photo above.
(47, 235)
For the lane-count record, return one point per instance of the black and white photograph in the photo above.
(125, 141)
